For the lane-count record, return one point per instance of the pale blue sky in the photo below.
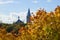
(17, 6)
(22, 5)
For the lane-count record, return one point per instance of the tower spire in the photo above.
(28, 16)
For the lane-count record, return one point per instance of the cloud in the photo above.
(6, 1)
(49, 0)
(35, 1)
(5, 18)
(12, 17)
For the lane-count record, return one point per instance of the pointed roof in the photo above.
(19, 21)
(28, 14)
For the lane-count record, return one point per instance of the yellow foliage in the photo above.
(43, 26)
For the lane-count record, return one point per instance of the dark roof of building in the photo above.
(19, 21)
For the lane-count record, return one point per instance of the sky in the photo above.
(11, 9)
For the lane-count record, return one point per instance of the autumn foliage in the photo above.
(43, 26)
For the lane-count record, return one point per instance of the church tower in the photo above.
(28, 16)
